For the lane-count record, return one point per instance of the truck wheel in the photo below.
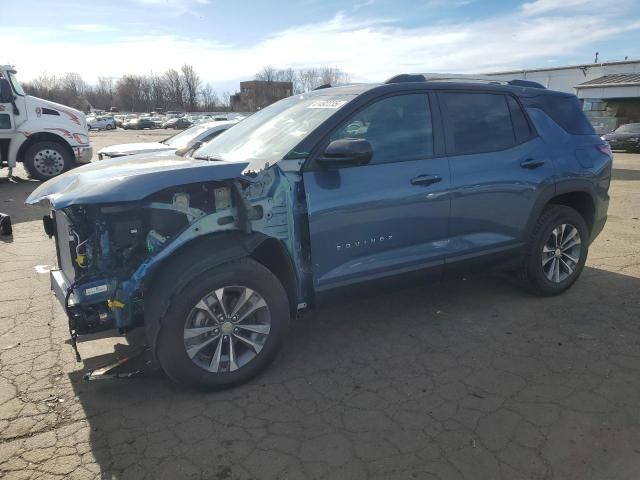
(556, 252)
(224, 326)
(45, 160)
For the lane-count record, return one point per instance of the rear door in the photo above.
(499, 167)
(387, 217)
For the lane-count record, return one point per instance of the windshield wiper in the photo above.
(209, 158)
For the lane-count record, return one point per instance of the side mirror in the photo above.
(347, 151)
(189, 148)
(6, 94)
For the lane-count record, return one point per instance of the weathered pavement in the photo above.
(471, 379)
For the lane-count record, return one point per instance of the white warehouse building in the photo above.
(610, 91)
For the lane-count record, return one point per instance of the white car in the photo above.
(101, 123)
(186, 139)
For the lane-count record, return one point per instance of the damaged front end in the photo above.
(108, 250)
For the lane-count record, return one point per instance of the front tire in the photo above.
(224, 326)
(556, 251)
(45, 160)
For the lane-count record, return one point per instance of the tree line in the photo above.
(175, 89)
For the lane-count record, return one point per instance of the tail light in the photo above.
(604, 148)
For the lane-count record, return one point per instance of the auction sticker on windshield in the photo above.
(332, 104)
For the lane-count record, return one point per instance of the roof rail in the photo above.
(454, 77)
(320, 87)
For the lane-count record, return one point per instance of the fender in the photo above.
(19, 148)
(554, 190)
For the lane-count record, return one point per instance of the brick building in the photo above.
(257, 94)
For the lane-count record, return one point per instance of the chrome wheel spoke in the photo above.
(254, 345)
(556, 272)
(233, 365)
(573, 259)
(256, 306)
(573, 232)
(548, 249)
(568, 269)
(552, 268)
(245, 295)
(219, 294)
(204, 307)
(263, 329)
(572, 244)
(193, 350)
(214, 365)
(190, 333)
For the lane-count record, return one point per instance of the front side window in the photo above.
(476, 122)
(398, 128)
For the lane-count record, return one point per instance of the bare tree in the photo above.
(267, 74)
(209, 98)
(191, 82)
(174, 87)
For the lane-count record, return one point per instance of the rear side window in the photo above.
(564, 110)
(476, 122)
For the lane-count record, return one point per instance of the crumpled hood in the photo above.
(121, 180)
(134, 148)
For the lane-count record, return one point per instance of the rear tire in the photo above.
(45, 160)
(556, 251)
(219, 357)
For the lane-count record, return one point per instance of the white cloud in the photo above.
(90, 27)
(371, 49)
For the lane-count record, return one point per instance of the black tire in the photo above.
(532, 272)
(59, 156)
(108, 127)
(171, 350)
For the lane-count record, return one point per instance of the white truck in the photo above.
(48, 138)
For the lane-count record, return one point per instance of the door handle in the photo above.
(531, 163)
(425, 180)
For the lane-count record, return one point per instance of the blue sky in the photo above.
(370, 39)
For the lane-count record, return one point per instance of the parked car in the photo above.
(101, 123)
(177, 123)
(320, 193)
(139, 124)
(122, 119)
(182, 141)
(625, 137)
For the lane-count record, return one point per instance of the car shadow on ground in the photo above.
(419, 364)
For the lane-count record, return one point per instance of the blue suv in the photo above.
(317, 194)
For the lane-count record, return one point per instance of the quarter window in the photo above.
(476, 122)
(520, 124)
(398, 128)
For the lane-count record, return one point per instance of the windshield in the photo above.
(187, 137)
(269, 134)
(629, 128)
(14, 82)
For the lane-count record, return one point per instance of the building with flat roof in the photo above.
(257, 94)
(610, 91)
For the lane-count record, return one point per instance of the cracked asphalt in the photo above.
(468, 379)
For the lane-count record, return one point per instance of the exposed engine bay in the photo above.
(106, 252)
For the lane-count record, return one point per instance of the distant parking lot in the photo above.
(469, 379)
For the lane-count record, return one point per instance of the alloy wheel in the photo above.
(227, 329)
(561, 253)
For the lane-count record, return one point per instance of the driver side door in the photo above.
(7, 122)
(387, 217)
